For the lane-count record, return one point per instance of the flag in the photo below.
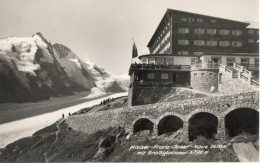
(134, 51)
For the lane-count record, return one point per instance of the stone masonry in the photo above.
(126, 117)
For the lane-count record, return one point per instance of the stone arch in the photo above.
(241, 105)
(241, 118)
(169, 122)
(202, 122)
(206, 110)
(143, 123)
(170, 114)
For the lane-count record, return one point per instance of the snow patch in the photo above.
(76, 61)
(21, 51)
(95, 92)
(92, 67)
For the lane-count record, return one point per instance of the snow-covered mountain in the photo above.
(32, 69)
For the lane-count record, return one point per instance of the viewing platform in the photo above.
(156, 84)
(159, 67)
(200, 66)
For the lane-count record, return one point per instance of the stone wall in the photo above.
(205, 80)
(149, 95)
(126, 117)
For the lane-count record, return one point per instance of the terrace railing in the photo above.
(198, 66)
(155, 84)
(159, 67)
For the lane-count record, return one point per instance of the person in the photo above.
(63, 115)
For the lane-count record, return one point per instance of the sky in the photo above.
(102, 30)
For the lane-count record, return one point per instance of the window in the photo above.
(257, 62)
(150, 75)
(164, 76)
(213, 21)
(251, 32)
(244, 61)
(211, 31)
(251, 40)
(159, 61)
(236, 43)
(199, 42)
(197, 53)
(151, 61)
(202, 74)
(224, 43)
(236, 32)
(230, 61)
(183, 19)
(183, 42)
(183, 30)
(183, 53)
(144, 60)
(169, 61)
(195, 74)
(191, 20)
(199, 20)
(224, 32)
(193, 61)
(212, 43)
(199, 31)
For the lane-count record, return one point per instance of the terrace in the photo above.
(158, 67)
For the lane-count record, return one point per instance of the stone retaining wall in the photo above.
(126, 117)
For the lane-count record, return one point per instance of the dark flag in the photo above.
(134, 52)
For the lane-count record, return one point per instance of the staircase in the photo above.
(246, 75)
(235, 80)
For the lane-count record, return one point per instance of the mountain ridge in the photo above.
(33, 69)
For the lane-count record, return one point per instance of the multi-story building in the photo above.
(185, 33)
(187, 44)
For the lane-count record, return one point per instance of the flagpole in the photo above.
(132, 49)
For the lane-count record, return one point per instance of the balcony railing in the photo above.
(198, 66)
(159, 66)
(155, 84)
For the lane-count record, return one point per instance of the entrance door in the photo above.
(174, 78)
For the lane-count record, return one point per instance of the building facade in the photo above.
(187, 44)
(185, 33)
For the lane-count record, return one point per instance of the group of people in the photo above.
(153, 66)
(104, 102)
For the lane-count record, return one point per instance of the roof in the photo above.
(185, 12)
(254, 25)
(202, 53)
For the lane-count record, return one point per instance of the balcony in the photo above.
(158, 67)
(200, 66)
(156, 84)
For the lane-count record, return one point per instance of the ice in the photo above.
(12, 131)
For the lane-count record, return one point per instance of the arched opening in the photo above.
(169, 124)
(202, 124)
(242, 120)
(143, 124)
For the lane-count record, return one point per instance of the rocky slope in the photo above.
(33, 69)
(60, 143)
